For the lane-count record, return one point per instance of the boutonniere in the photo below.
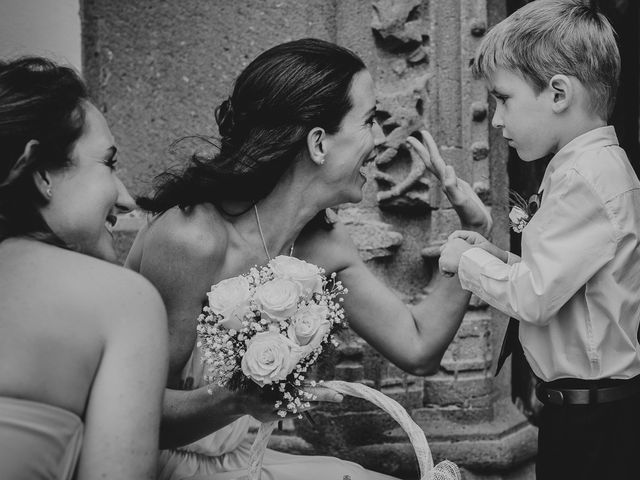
(522, 210)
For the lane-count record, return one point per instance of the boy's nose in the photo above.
(496, 121)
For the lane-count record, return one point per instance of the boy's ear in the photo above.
(562, 91)
(316, 144)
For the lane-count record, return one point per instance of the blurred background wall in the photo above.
(41, 27)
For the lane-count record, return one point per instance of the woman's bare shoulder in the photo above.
(198, 233)
(77, 283)
(332, 248)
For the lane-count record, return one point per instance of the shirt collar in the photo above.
(596, 138)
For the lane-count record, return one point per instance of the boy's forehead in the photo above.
(502, 79)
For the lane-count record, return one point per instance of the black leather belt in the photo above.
(588, 392)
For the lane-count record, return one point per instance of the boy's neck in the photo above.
(574, 127)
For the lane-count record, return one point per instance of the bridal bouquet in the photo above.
(268, 327)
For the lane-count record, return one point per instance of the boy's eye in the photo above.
(500, 98)
(111, 163)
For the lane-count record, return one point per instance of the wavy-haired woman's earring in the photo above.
(49, 193)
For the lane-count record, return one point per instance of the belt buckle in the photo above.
(554, 396)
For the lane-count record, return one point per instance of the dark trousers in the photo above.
(584, 442)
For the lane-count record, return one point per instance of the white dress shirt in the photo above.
(576, 290)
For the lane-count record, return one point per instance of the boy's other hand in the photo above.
(472, 212)
(473, 238)
(450, 254)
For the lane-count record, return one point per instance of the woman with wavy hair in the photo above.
(83, 341)
(296, 135)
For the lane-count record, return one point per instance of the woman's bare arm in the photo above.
(123, 411)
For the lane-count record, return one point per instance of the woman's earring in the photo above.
(49, 192)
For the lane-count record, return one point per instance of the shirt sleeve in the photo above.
(512, 258)
(568, 240)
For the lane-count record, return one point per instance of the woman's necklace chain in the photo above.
(264, 243)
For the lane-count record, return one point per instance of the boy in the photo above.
(553, 69)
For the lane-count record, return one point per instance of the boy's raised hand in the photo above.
(472, 212)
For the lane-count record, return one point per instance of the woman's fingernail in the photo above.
(337, 397)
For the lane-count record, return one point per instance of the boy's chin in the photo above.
(528, 156)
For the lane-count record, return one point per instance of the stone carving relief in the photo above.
(400, 116)
(401, 30)
(401, 27)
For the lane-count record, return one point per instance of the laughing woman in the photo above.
(82, 342)
(296, 132)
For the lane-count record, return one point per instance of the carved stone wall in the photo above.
(158, 69)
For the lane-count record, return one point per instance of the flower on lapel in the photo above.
(522, 210)
(518, 219)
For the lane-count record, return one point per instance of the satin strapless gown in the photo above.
(38, 441)
(224, 454)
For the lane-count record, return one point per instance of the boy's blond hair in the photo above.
(549, 37)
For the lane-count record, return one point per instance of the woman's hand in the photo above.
(472, 212)
(450, 254)
(264, 411)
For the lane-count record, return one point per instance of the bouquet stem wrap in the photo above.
(445, 470)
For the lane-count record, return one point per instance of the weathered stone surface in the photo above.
(479, 111)
(471, 348)
(399, 175)
(466, 391)
(480, 150)
(158, 69)
(394, 19)
(496, 449)
(373, 237)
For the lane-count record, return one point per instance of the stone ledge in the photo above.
(507, 443)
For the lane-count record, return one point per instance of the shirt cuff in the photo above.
(512, 258)
(472, 266)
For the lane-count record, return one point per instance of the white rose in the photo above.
(270, 357)
(518, 218)
(309, 325)
(230, 298)
(517, 215)
(303, 273)
(278, 298)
